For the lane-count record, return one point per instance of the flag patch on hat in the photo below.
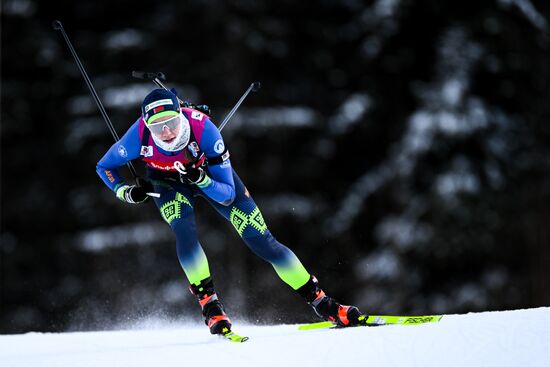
(158, 109)
(160, 102)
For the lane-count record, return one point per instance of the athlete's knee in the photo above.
(266, 247)
(247, 219)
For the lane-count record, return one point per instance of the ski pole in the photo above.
(253, 88)
(158, 76)
(59, 27)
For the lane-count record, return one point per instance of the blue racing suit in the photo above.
(224, 191)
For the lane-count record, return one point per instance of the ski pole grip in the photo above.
(256, 86)
(56, 24)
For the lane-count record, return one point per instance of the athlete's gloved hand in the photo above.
(191, 174)
(135, 194)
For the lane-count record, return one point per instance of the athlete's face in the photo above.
(167, 128)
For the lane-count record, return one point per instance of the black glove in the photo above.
(190, 174)
(135, 194)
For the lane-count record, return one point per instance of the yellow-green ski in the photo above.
(402, 320)
(316, 325)
(231, 336)
(378, 320)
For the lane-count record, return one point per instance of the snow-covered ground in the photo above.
(510, 338)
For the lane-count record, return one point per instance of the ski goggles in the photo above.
(172, 123)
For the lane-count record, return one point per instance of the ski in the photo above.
(232, 337)
(378, 320)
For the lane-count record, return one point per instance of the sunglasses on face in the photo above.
(158, 127)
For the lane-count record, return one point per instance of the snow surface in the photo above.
(508, 338)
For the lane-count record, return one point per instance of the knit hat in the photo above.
(159, 103)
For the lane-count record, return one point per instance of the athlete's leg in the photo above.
(176, 205)
(248, 221)
(176, 208)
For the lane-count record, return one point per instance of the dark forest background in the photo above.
(399, 147)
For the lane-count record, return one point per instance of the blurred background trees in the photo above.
(399, 147)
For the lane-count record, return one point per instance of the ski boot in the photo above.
(212, 309)
(327, 308)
